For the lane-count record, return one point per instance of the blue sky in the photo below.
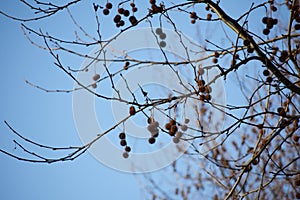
(47, 118)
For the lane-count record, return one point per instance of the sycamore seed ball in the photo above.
(151, 140)
(132, 110)
(96, 77)
(176, 140)
(178, 134)
(184, 127)
(162, 44)
(125, 154)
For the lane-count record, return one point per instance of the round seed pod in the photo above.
(127, 148)
(122, 136)
(184, 127)
(125, 155)
(151, 140)
(109, 5)
(105, 11)
(123, 143)
(132, 110)
(96, 77)
(176, 140)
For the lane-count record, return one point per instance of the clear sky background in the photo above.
(47, 118)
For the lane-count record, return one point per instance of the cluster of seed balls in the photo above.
(194, 17)
(173, 131)
(162, 36)
(119, 22)
(123, 143)
(155, 8)
(203, 90)
(122, 136)
(96, 77)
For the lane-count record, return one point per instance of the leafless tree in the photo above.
(255, 154)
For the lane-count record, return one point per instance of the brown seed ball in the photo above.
(125, 67)
(122, 136)
(127, 63)
(184, 127)
(275, 21)
(269, 79)
(255, 161)
(266, 31)
(297, 26)
(266, 72)
(270, 26)
(121, 23)
(201, 82)
(178, 134)
(207, 7)
(265, 20)
(193, 15)
(201, 88)
(281, 111)
(151, 127)
(96, 77)
(168, 126)
(127, 148)
(155, 134)
(162, 44)
(132, 110)
(270, 21)
(216, 54)
(109, 5)
(121, 10)
(133, 20)
(105, 11)
(246, 42)
(94, 85)
(123, 143)
(150, 120)
(193, 21)
(126, 13)
(174, 128)
(156, 124)
(250, 50)
(208, 97)
(208, 16)
(186, 120)
(273, 8)
(158, 31)
(151, 140)
(202, 97)
(152, 1)
(117, 18)
(162, 36)
(176, 140)
(134, 9)
(132, 4)
(208, 89)
(282, 59)
(172, 122)
(125, 155)
(171, 133)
